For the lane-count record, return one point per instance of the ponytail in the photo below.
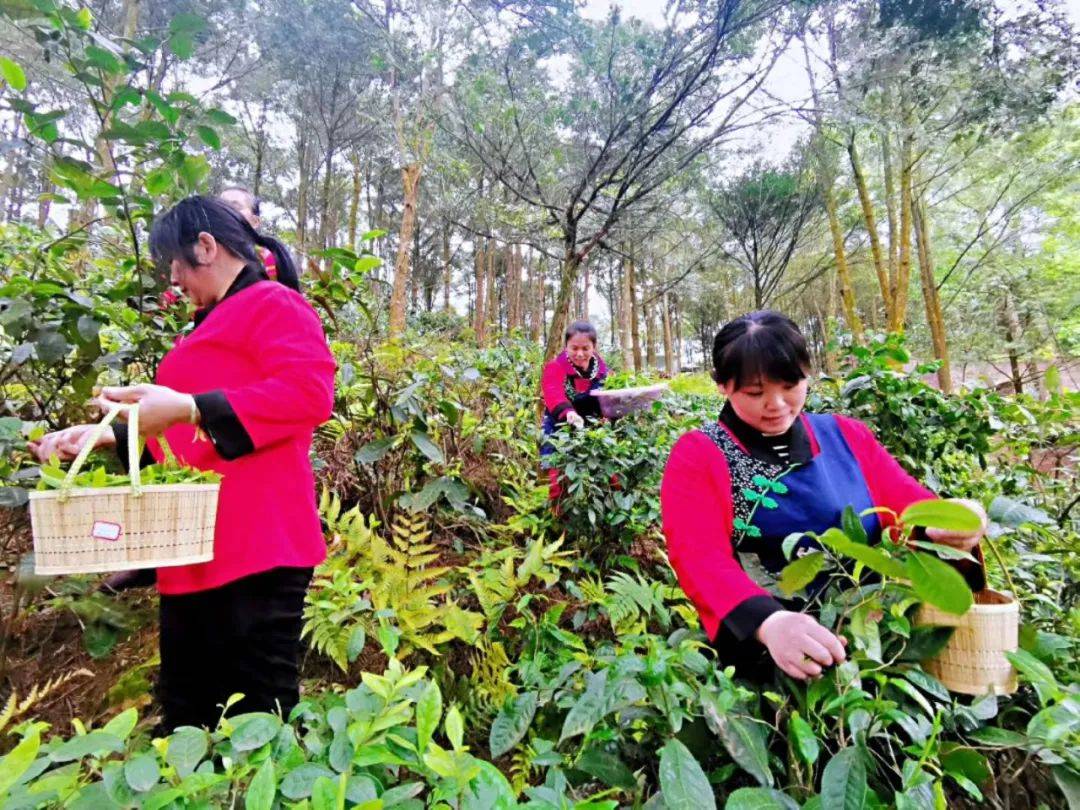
(287, 272)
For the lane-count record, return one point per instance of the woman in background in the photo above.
(567, 385)
(248, 206)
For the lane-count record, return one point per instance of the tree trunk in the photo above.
(410, 180)
(259, 148)
(417, 277)
(584, 308)
(354, 202)
(624, 315)
(324, 202)
(480, 273)
(515, 318)
(612, 292)
(536, 328)
(1013, 332)
(447, 266)
(888, 173)
(934, 318)
(677, 323)
(669, 347)
(131, 18)
(302, 189)
(831, 365)
(568, 275)
(903, 269)
(843, 273)
(871, 224)
(635, 328)
(493, 296)
(44, 203)
(650, 336)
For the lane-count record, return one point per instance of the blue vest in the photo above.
(816, 495)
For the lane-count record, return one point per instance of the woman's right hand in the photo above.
(65, 444)
(575, 419)
(799, 645)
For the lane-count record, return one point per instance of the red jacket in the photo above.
(261, 354)
(561, 377)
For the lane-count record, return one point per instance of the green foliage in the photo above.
(384, 587)
(941, 440)
(379, 744)
(700, 384)
(612, 473)
(168, 471)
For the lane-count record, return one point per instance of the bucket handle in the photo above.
(134, 473)
(1001, 563)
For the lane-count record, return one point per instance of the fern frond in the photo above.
(488, 682)
(521, 768)
(592, 589)
(15, 708)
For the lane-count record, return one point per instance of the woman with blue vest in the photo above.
(724, 552)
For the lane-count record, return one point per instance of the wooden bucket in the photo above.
(81, 531)
(974, 662)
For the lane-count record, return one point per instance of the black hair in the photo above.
(580, 328)
(763, 345)
(175, 233)
(254, 203)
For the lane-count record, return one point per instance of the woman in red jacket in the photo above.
(726, 553)
(567, 384)
(241, 394)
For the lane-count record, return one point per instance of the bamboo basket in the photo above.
(82, 531)
(974, 662)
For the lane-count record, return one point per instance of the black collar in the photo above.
(763, 447)
(247, 277)
(589, 371)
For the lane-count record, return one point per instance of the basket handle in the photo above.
(134, 473)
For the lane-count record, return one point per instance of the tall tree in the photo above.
(640, 105)
(766, 213)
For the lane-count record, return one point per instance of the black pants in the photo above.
(242, 637)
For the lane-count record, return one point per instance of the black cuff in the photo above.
(974, 573)
(558, 411)
(588, 406)
(742, 622)
(120, 431)
(220, 422)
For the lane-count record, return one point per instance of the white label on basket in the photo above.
(104, 530)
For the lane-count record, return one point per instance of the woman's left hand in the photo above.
(160, 407)
(964, 541)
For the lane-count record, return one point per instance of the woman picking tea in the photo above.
(249, 206)
(568, 384)
(241, 394)
(724, 551)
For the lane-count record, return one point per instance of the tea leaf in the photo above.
(802, 572)
(843, 784)
(938, 514)
(261, 791)
(682, 781)
(938, 583)
(873, 558)
(512, 723)
(760, 799)
(806, 742)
